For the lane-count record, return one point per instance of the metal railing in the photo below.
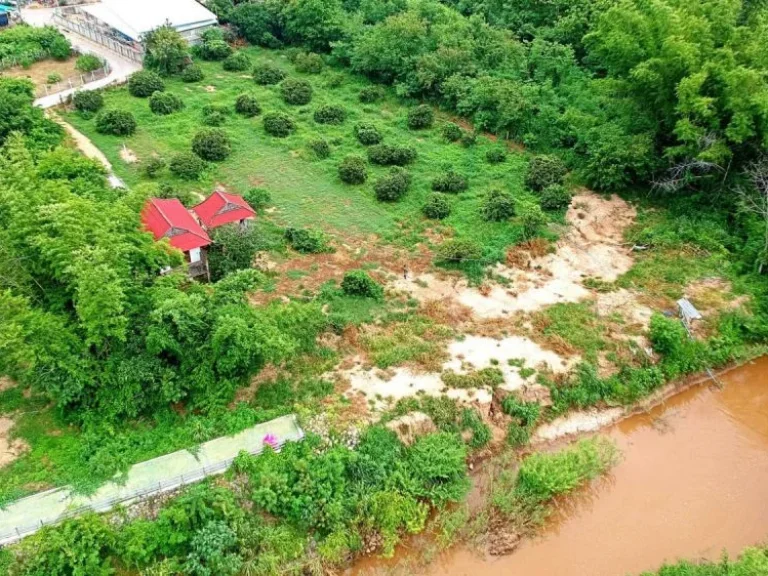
(73, 82)
(105, 505)
(91, 33)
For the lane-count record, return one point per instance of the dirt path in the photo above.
(88, 149)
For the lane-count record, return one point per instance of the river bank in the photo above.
(693, 482)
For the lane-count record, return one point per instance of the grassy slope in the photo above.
(305, 190)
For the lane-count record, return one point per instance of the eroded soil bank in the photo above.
(693, 482)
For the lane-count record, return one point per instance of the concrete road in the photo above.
(120, 68)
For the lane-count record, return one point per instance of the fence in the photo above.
(92, 34)
(73, 82)
(138, 495)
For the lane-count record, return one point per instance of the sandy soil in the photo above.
(592, 248)
(83, 143)
(128, 156)
(10, 449)
(577, 423)
(39, 71)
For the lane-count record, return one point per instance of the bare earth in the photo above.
(10, 449)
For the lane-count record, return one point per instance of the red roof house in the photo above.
(167, 218)
(222, 208)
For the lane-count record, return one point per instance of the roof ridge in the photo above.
(163, 214)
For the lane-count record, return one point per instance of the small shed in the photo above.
(222, 208)
(167, 218)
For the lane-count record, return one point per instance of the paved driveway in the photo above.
(120, 68)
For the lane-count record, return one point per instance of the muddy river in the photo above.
(693, 482)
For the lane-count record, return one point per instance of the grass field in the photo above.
(307, 191)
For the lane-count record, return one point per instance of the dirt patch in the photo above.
(592, 248)
(713, 295)
(39, 72)
(128, 156)
(6, 383)
(10, 449)
(82, 142)
(576, 423)
(210, 88)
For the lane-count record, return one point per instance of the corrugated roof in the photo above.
(222, 208)
(134, 18)
(688, 310)
(167, 218)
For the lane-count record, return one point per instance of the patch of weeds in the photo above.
(526, 373)
(450, 525)
(417, 339)
(516, 362)
(486, 377)
(573, 328)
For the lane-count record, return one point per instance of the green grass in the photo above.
(577, 325)
(305, 190)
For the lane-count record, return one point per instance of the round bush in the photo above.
(420, 117)
(296, 91)
(497, 206)
(164, 103)
(451, 182)
(53, 78)
(213, 46)
(215, 115)
(436, 207)
(391, 155)
(452, 132)
(495, 156)
(555, 197)
(279, 124)
(330, 114)
(116, 122)
(153, 166)
(457, 250)
(266, 75)
(187, 166)
(544, 171)
(353, 170)
(88, 63)
(393, 186)
(88, 101)
(359, 283)
(469, 139)
(192, 73)
(367, 134)
(532, 218)
(212, 144)
(308, 63)
(247, 105)
(145, 83)
(371, 94)
(258, 198)
(320, 148)
(237, 62)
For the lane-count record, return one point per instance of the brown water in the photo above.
(693, 482)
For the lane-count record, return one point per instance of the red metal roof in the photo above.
(167, 218)
(222, 208)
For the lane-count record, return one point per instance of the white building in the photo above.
(128, 21)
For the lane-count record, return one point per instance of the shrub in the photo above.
(544, 171)
(116, 122)
(497, 206)
(320, 148)
(436, 465)
(458, 250)
(53, 78)
(451, 132)
(192, 73)
(296, 91)
(88, 101)
(353, 170)
(420, 117)
(144, 83)
(215, 115)
(668, 335)
(436, 207)
(469, 139)
(88, 63)
(393, 186)
(187, 166)
(391, 155)
(555, 197)
(532, 219)
(212, 144)
(153, 166)
(213, 46)
(307, 241)
(258, 198)
(367, 134)
(495, 156)
(330, 114)
(266, 75)
(237, 62)
(451, 181)
(164, 103)
(60, 48)
(359, 283)
(165, 50)
(308, 63)
(371, 94)
(247, 105)
(278, 124)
